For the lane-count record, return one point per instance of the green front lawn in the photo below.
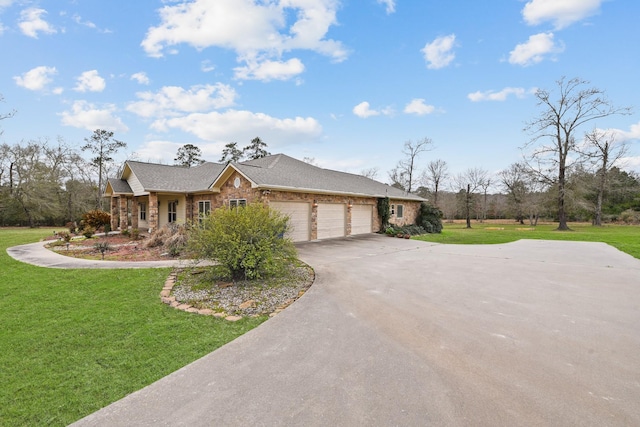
(624, 237)
(73, 341)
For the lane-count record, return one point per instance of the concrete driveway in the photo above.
(401, 332)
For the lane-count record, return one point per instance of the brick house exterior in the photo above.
(321, 202)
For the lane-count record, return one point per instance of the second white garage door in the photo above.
(361, 219)
(299, 218)
(331, 220)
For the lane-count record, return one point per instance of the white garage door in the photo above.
(331, 220)
(299, 218)
(361, 219)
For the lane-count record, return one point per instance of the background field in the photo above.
(624, 237)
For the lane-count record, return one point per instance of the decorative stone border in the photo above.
(166, 298)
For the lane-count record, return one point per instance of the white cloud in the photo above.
(206, 66)
(90, 81)
(438, 53)
(363, 110)
(223, 23)
(561, 12)
(5, 3)
(174, 100)
(239, 125)
(417, 106)
(37, 78)
(270, 70)
(534, 49)
(390, 5)
(499, 96)
(141, 78)
(31, 22)
(632, 134)
(85, 115)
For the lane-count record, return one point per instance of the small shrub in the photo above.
(246, 241)
(71, 226)
(630, 216)
(88, 232)
(171, 237)
(102, 247)
(96, 218)
(135, 234)
(64, 236)
(125, 232)
(429, 218)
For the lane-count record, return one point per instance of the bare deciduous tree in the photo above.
(404, 174)
(604, 152)
(435, 174)
(467, 183)
(371, 173)
(558, 122)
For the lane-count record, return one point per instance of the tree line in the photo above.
(563, 175)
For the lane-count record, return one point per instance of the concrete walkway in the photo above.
(401, 332)
(37, 254)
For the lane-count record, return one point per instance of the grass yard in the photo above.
(73, 341)
(624, 237)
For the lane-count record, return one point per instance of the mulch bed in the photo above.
(121, 248)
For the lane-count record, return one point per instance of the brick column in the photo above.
(314, 220)
(114, 213)
(124, 223)
(348, 230)
(134, 213)
(152, 218)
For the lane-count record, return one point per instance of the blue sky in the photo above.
(344, 82)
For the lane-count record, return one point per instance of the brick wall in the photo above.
(228, 191)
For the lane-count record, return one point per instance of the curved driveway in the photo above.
(401, 332)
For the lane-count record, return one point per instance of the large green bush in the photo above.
(248, 242)
(429, 218)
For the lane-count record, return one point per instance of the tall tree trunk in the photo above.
(562, 215)
(468, 205)
(597, 221)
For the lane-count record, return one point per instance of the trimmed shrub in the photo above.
(429, 218)
(96, 218)
(88, 232)
(246, 241)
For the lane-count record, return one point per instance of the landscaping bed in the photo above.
(118, 247)
(206, 289)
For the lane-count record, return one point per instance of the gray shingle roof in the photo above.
(171, 178)
(274, 172)
(282, 171)
(120, 186)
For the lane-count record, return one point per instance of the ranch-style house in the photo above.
(321, 203)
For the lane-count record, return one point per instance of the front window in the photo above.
(399, 211)
(234, 203)
(204, 207)
(173, 211)
(142, 207)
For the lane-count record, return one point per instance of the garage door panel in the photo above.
(299, 218)
(361, 219)
(331, 220)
